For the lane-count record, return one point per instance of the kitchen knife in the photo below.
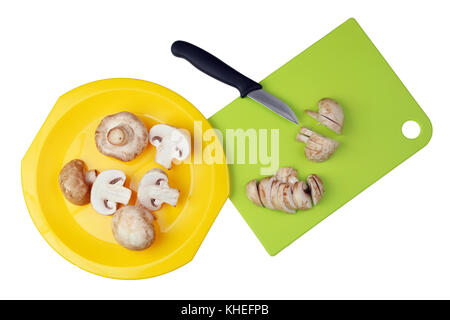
(214, 67)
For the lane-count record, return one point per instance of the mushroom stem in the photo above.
(119, 194)
(117, 136)
(313, 114)
(90, 176)
(164, 194)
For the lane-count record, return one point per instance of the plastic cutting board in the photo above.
(345, 66)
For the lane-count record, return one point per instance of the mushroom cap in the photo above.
(331, 114)
(122, 136)
(73, 184)
(132, 227)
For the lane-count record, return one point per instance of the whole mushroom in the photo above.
(154, 190)
(108, 190)
(330, 114)
(317, 147)
(171, 143)
(122, 136)
(132, 227)
(75, 182)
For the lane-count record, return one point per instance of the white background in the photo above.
(392, 241)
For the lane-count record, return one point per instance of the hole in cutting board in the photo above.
(411, 129)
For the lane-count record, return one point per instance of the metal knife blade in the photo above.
(216, 68)
(274, 104)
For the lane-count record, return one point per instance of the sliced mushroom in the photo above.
(154, 190)
(286, 174)
(132, 227)
(273, 193)
(317, 147)
(330, 114)
(75, 182)
(108, 190)
(316, 188)
(283, 189)
(122, 136)
(288, 198)
(253, 193)
(301, 196)
(171, 143)
(265, 188)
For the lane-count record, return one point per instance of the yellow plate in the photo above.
(83, 236)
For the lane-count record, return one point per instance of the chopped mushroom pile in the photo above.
(285, 192)
(123, 136)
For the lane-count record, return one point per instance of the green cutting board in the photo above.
(345, 66)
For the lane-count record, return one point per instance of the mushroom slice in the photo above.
(171, 143)
(265, 188)
(316, 187)
(330, 114)
(283, 188)
(75, 182)
(317, 147)
(253, 193)
(301, 196)
(132, 227)
(154, 190)
(288, 198)
(276, 198)
(286, 174)
(108, 190)
(122, 136)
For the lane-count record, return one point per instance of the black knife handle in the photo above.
(214, 67)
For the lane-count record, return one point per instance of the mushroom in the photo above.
(301, 196)
(75, 182)
(285, 192)
(318, 148)
(108, 190)
(286, 174)
(330, 114)
(171, 143)
(122, 136)
(316, 188)
(154, 190)
(264, 188)
(132, 227)
(253, 193)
